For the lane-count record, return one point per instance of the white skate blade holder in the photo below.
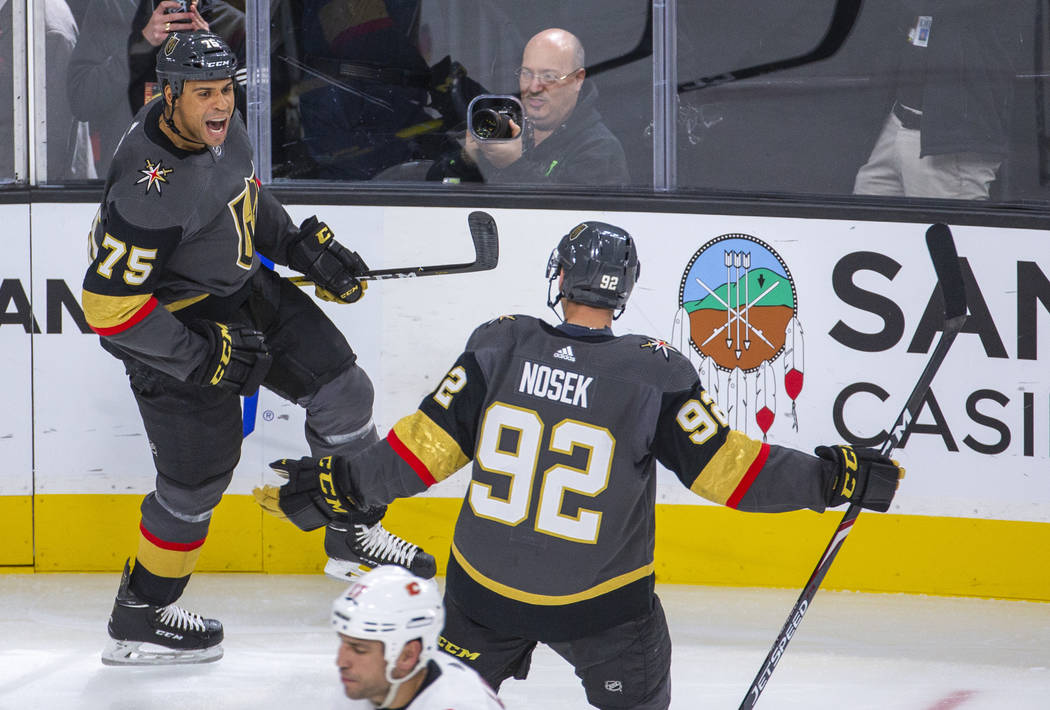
(141, 653)
(345, 570)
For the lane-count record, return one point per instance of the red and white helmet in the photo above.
(392, 605)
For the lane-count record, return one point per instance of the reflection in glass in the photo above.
(68, 155)
(7, 105)
(112, 69)
(379, 90)
(925, 99)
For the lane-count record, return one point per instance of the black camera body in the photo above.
(489, 117)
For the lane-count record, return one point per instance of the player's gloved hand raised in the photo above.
(238, 358)
(332, 267)
(311, 498)
(861, 476)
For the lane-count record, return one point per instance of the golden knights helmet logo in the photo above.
(738, 312)
(171, 44)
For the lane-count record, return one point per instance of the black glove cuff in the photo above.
(205, 372)
(307, 248)
(832, 465)
(343, 484)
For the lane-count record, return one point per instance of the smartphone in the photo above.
(184, 6)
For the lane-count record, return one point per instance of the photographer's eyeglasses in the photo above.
(546, 78)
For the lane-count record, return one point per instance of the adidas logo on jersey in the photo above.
(566, 354)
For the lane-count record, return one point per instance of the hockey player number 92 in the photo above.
(510, 444)
(454, 381)
(699, 421)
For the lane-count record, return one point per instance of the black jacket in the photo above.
(971, 67)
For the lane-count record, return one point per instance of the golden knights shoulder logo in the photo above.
(738, 311)
(154, 175)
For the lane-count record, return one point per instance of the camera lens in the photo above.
(489, 124)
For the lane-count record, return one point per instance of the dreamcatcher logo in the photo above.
(738, 317)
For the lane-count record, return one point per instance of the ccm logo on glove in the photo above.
(226, 349)
(327, 485)
(323, 233)
(849, 472)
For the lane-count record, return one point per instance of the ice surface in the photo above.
(851, 651)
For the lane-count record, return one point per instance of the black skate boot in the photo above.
(142, 634)
(354, 548)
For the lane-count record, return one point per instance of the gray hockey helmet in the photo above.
(600, 266)
(193, 56)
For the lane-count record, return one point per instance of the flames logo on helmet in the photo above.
(737, 316)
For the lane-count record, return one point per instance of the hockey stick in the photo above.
(949, 276)
(842, 20)
(483, 234)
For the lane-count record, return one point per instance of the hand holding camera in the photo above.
(494, 125)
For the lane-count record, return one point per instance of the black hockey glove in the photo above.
(861, 476)
(311, 499)
(332, 267)
(238, 359)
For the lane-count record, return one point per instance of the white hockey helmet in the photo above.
(392, 605)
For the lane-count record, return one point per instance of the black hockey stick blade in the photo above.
(945, 260)
(843, 18)
(483, 235)
(946, 263)
(950, 279)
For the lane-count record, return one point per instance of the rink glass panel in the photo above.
(388, 129)
(338, 93)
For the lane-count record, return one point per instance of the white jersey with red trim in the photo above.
(449, 685)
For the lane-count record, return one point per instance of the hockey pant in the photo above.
(195, 432)
(626, 666)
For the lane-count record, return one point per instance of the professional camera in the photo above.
(489, 116)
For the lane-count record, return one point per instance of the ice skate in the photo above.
(354, 549)
(143, 634)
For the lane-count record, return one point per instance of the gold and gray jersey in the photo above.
(176, 229)
(555, 536)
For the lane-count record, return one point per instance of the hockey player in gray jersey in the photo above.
(176, 291)
(555, 539)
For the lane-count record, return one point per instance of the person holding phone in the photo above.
(111, 70)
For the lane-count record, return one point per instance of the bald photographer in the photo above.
(561, 139)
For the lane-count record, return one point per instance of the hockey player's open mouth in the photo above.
(216, 126)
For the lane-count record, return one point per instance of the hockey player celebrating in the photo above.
(389, 623)
(176, 291)
(554, 542)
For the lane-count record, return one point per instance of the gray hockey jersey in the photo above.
(556, 534)
(177, 232)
